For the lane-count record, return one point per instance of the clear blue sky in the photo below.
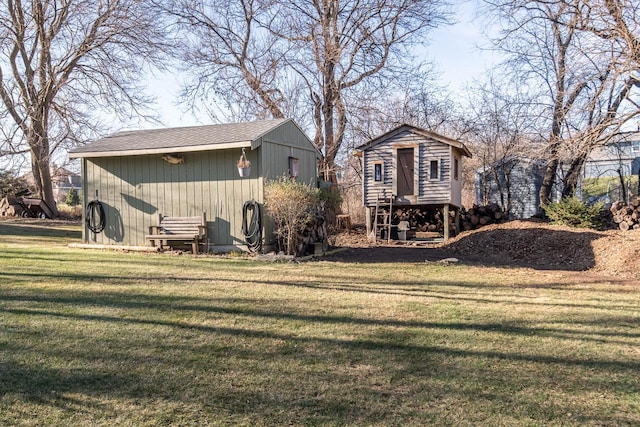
(455, 48)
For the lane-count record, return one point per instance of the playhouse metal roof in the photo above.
(181, 139)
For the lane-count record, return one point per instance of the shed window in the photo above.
(377, 172)
(294, 169)
(433, 169)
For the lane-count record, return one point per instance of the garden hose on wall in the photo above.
(252, 226)
(95, 217)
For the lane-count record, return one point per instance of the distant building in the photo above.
(62, 180)
(521, 177)
(622, 154)
(513, 184)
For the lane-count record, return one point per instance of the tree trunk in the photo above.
(40, 166)
(570, 182)
(547, 181)
(623, 190)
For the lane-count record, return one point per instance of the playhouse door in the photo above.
(405, 172)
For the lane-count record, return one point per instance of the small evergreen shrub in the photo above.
(574, 213)
(73, 198)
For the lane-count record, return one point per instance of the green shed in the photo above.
(185, 172)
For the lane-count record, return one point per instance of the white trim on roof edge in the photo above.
(188, 149)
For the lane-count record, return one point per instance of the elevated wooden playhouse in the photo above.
(412, 183)
(185, 172)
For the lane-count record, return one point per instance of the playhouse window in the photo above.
(377, 172)
(433, 169)
(456, 165)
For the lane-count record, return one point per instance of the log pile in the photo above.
(421, 219)
(314, 238)
(432, 219)
(10, 206)
(479, 216)
(626, 217)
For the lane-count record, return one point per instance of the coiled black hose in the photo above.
(252, 225)
(95, 217)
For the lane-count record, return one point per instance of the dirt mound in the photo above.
(619, 254)
(532, 244)
(544, 246)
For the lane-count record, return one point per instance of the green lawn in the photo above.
(110, 338)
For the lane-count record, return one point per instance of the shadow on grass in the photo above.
(42, 228)
(407, 288)
(173, 303)
(360, 344)
(413, 365)
(41, 384)
(379, 375)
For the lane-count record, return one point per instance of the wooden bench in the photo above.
(183, 229)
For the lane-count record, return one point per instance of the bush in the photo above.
(73, 198)
(69, 212)
(292, 206)
(574, 213)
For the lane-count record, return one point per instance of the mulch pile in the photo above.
(532, 244)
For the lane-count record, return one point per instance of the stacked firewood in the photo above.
(9, 206)
(626, 216)
(479, 216)
(432, 219)
(420, 220)
(315, 232)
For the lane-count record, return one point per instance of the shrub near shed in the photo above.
(300, 213)
(574, 213)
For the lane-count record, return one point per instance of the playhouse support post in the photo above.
(445, 214)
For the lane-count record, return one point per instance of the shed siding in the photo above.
(428, 191)
(275, 162)
(435, 191)
(456, 184)
(290, 134)
(525, 181)
(134, 189)
(374, 189)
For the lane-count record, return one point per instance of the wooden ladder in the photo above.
(382, 217)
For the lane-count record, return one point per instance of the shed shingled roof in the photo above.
(181, 139)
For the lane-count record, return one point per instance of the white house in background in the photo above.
(62, 180)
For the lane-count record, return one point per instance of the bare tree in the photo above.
(63, 61)
(287, 57)
(498, 126)
(580, 87)
(617, 21)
